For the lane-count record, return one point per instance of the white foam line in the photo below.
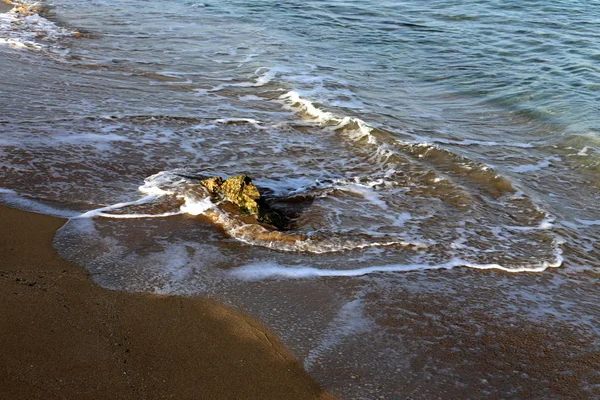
(136, 216)
(262, 271)
(467, 142)
(98, 211)
(319, 248)
(253, 122)
(225, 85)
(12, 198)
(366, 191)
(260, 81)
(20, 45)
(321, 116)
(587, 222)
(583, 152)
(546, 224)
(22, 30)
(292, 101)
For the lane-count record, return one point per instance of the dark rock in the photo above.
(240, 191)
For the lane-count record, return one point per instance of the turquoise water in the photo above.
(451, 152)
(539, 59)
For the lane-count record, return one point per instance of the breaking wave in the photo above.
(23, 27)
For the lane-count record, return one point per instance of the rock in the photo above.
(213, 185)
(240, 191)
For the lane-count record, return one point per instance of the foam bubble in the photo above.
(401, 219)
(250, 97)
(583, 152)
(162, 183)
(254, 122)
(261, 80)
(7, 191)
(197, 207)
(545, 224)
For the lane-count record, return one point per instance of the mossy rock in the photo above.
(240, 191)
(213, 185)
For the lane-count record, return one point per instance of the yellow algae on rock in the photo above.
(239, 190)
(213, 185)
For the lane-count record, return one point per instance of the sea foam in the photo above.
(23, 28)
(262, 271)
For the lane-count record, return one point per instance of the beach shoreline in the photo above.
(65, 337)
(443, 253)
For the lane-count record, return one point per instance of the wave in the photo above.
(24, 27)
(587, 222)
(424, 158)
(256, 234)
(171, 193)
(387, 195)
(263, 77)
(396, 200)
(150, 119)
(433, 172)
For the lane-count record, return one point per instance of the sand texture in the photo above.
(63, 337)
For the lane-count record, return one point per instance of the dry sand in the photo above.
(62, 336)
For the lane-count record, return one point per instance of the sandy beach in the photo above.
(64, 337)
(428, 178)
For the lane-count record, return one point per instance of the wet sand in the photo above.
(5, 6)
(65, 337)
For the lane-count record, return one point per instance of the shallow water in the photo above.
(451, 152)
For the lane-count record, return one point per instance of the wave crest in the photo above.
(24, 27)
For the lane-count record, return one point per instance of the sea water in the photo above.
(450, 152)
